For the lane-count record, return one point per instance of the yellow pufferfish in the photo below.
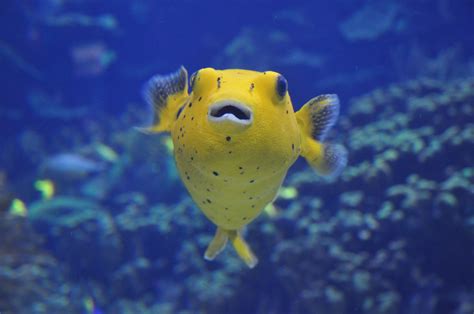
(235, 135)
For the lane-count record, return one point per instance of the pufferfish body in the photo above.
(235, 135)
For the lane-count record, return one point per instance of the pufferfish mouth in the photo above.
(230, 111)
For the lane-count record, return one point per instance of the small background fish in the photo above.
(70, 166)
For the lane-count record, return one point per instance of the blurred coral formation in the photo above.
(91, 59)
(31, 280)
(374, 240)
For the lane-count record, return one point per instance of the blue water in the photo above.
(95, 218)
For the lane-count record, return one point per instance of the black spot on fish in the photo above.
(215, 173)
(226, 208)
(190, 105)
(253, 206)
(250, 198)
(192, 118)
(240, 167)
(252, 181)
(230, 152)
(244, 218)
(258, 167)
(219, 82)
(188, 178)
(208, 190)
(228, 138)
(293, 146)
(287, 112)
(192, 158)
(208, 200)
(184, 116)
(181, 129)
(252, 86)
(199, 98)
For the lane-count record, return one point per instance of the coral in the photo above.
(371, 241)
(374, 19)
(74, 226)
(402, 144)
(245, 51)
(68, 212)
(50, 106)
(31, 281)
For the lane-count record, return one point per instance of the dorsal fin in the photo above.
(166, 94)
(318, 115)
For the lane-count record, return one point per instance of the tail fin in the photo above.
(217, 244)
(315, 119)
(241, 247)
(243, 250)
(166, 94)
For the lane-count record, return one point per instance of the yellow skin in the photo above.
(233, 174)
(231, 169)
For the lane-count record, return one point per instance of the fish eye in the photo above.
(191, 80)
(281, 86)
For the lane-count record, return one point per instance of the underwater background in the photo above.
(94, 217)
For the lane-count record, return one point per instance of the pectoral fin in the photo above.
(318, 115)
(325, 159)
(166, 94)
(315, 119)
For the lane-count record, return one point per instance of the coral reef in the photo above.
(418, 189)
(31, 280)
(374, 19)
(245, 50)
(393, 234)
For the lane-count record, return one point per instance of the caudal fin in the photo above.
(243, 249)
(219, 242)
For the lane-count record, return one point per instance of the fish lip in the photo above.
(239, 113)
